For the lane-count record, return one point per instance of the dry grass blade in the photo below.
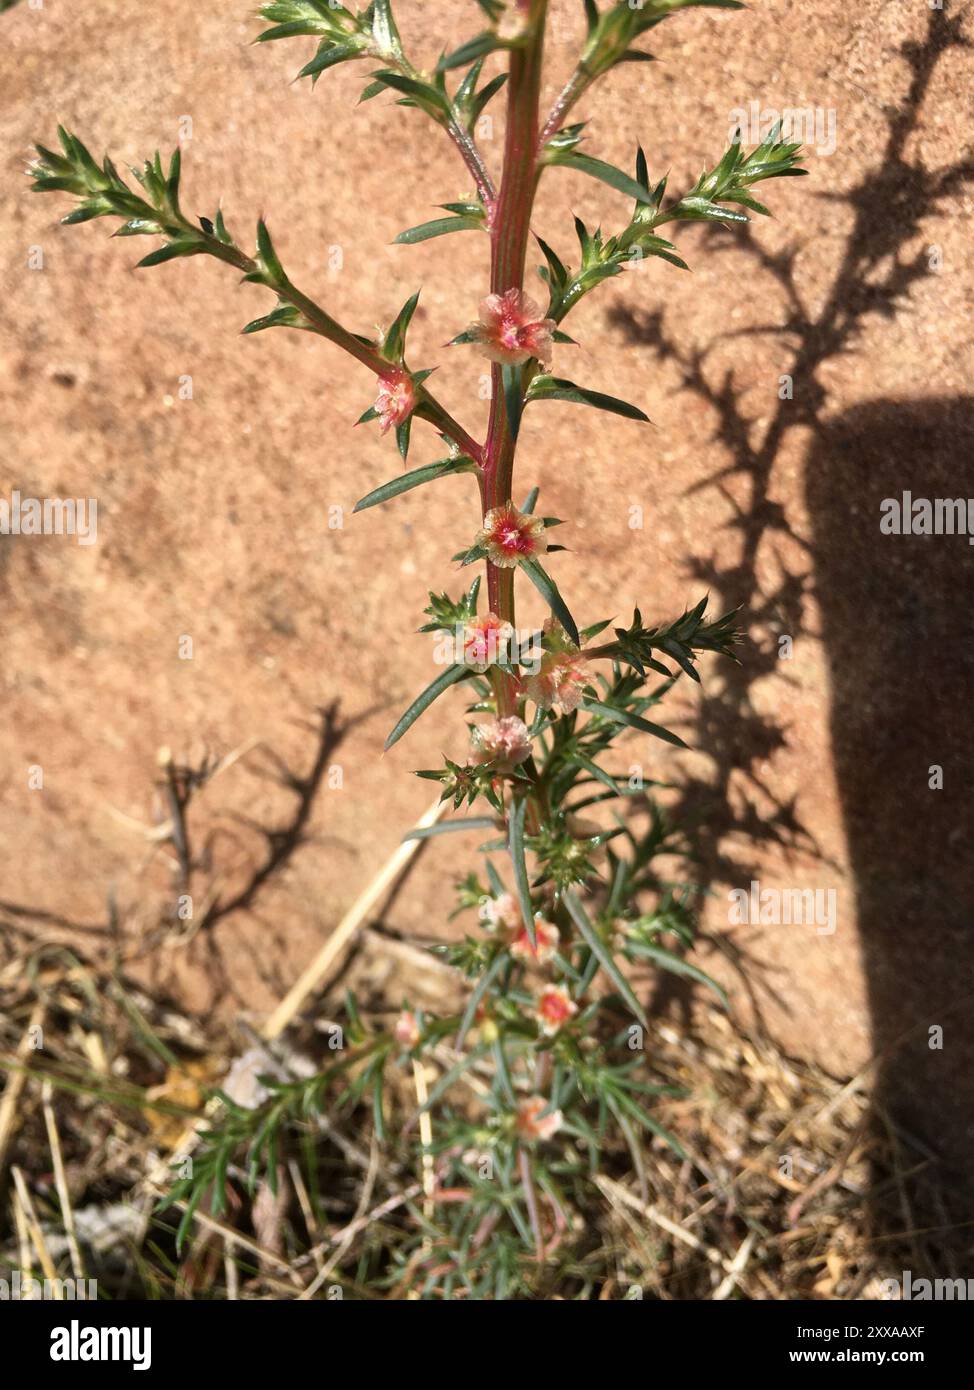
(17, 1079)
(317, 971)
(61, 1182)
(34, 1229)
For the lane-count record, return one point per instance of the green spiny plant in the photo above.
(545, 1062)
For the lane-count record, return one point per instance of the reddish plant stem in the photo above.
(531, 1202)
(511, 228)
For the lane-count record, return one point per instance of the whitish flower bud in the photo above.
(532, 1124)
(505, 741)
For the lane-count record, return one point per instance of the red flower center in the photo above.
(554, 1008)
(514, 541)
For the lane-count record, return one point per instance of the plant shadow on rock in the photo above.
(897, 634)
(223, 860)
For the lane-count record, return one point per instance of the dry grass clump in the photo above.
(794, 1186)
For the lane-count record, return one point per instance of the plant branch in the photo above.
(322, 323)
(471, 156)
(103, 193)
(462, 139)
(573, 90)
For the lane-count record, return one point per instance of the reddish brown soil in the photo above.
(214, 512)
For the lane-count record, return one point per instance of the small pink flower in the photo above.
(554, 1007)
(532, 1124)
(547, 937)
(500, 914)
(484, 640)
(505, 741)
(510, 536)
(512, 331)
(564, 673)
(396, 400)
(406, 1030)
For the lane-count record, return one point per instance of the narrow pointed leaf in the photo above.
(384, 29)
(513, 396)
(676, 965)
(171, 252)
(394, 344)
(606, 173)
(470, 51)
(268, 256)
(602, 954)
(696, 209)
(415, 478)
(633, 721)
(285, 316)
(329, 56)
(551, 388)
(469, 335)
(403, 433)
(515, 845)
(427, 832)
(476, 994)
(622, 1101)
(449, 677)
(548, 590)
(440, 226)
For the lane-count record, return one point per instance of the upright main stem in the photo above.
(511, 229)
